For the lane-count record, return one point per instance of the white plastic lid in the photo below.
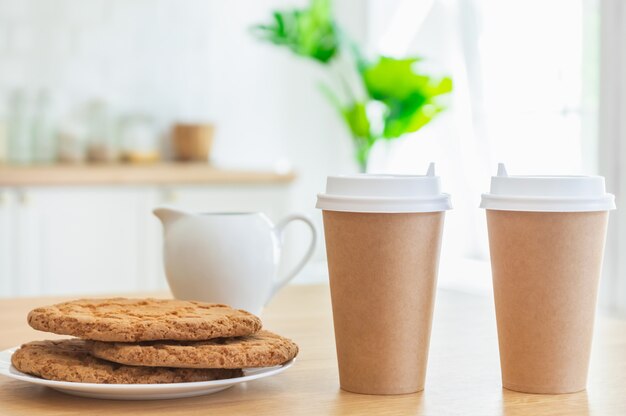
(547, 193)
(384, 193)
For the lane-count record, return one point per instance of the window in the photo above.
(525, 94)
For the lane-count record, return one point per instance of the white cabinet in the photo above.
(26, 277)
(87, 238)
(82, 240)
(7, 248)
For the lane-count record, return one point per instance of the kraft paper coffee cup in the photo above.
(546, 238)
(383, 237)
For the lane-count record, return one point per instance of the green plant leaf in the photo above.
(308, 32)
(443, 86)
(355, 116)
(393, 78)
(397, 97)
(410, 96)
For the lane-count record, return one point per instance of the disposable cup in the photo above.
(546, 239)
(383, 237)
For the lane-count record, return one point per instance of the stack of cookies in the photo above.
(129, 341)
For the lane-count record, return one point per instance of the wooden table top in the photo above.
(463, 371)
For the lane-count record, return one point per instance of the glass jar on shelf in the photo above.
(102, 145)
(4, 130)
(138, 138)
(43, 128)
(20, 145)
(72, 141)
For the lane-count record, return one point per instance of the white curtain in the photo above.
(446, 34)
(519, 98)
(612, 150)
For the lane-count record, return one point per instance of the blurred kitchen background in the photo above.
(108, 108)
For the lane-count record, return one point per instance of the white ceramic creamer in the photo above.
(229, 258)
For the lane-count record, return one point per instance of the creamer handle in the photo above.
(279, 230)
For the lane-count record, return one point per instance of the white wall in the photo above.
(185, 60)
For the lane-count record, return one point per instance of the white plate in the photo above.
(138, 391)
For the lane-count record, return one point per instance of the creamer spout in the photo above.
(168, 215)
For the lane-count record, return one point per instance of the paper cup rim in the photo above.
(547, 204)
(389, 205)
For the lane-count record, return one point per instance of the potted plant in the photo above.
(381, 98)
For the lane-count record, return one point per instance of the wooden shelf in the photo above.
(128, 174)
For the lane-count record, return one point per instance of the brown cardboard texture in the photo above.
(383, 275)
(546, 267)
